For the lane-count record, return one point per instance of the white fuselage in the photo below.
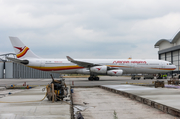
(129, 66)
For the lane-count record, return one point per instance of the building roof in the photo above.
(174, 40)
(160, 41)
(3, 56)
(176, 37)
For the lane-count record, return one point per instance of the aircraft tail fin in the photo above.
(21, 50)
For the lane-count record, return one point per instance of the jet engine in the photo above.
(115, 72)
(99, 69)
(83, 71)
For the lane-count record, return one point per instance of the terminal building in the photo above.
(169, 50)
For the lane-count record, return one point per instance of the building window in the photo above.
(162, 56)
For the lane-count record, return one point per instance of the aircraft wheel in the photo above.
(97, 78)
(90, 78)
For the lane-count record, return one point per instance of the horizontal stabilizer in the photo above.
(18, 60)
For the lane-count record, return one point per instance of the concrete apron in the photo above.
(34, 108)
(166, 100)
(2, 88)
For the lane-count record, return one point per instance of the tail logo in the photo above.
(20, 48)
(22, 51)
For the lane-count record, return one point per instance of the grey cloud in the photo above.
(90, 29)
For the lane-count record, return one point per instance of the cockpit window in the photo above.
(170, 63)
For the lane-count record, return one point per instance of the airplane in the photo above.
(92, 67)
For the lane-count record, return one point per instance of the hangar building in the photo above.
(169, 50)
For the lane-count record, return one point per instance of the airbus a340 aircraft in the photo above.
(94, 67)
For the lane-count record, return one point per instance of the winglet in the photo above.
(69, 58)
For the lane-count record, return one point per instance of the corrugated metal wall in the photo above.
(1, 70)
(8, 70)
(14, 70)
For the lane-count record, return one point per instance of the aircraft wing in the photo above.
(18, 60)
(81, 63)
(87, 64)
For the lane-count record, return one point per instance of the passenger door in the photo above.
(162, 65)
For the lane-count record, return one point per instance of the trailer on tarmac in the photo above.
(136, 77)
(148, 77)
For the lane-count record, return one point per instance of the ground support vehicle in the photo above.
(148, 77)
(136, 77)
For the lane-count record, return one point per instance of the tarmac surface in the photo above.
(100, 101)
(2, 88)
(168, 97)
(26, 104)
(101, 104)
(104, 80)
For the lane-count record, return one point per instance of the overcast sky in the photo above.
(89, 28)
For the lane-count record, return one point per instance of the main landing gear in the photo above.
(93, 78)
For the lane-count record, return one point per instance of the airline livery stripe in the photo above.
(79, 67)
(171, 69)
(23, 52)
(56, 68)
